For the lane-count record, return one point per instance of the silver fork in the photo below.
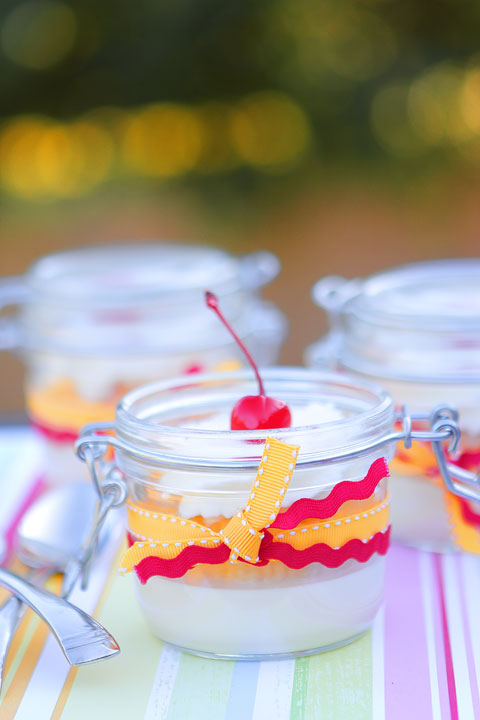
(80, 636)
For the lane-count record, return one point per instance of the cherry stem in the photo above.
(212, 302)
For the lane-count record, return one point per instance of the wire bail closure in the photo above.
(110, 487)
(109, 483)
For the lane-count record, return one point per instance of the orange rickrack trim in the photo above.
(59, 412)
(59, 406)
(167, 536)
(336, 532)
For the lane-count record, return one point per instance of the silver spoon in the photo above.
(50, 537)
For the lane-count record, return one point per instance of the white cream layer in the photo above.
(315, 608)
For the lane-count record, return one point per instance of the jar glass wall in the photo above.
(416, 331)
(95, 323)
(180, 460)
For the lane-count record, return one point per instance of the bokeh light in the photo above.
(37, 35)
(43, 159)
(391, 123)
(162, 140)
(269, 131)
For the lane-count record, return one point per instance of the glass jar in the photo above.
(416, 331)
(94, 323)
(183, 468)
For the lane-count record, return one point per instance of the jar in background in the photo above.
(93, 323)
(416, 331)
(184, 468)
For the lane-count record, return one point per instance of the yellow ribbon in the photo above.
(242, 534)
(165, 536)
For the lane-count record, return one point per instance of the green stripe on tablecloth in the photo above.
(299, 690)
(334, 685)
(120, 687)
(201, 689)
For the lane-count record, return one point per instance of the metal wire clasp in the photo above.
(444, 427)
(108, 483)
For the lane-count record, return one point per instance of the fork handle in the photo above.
(80, 636)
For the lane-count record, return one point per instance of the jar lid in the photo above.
(418, 322)
(137, 299)
(445, 293)
(185, 422)
(126, 274)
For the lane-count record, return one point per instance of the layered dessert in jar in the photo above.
(258, 509)
(416, 331)
(94, 323)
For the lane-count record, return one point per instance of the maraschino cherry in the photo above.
(253, 412)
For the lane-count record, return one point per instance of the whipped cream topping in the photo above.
(224, 494)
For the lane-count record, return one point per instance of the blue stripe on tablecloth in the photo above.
(243, 689)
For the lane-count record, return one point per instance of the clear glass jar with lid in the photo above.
(93, 323)
(317, 579)
(416, 331)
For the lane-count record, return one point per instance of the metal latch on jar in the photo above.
(110, 486)
(444, 428)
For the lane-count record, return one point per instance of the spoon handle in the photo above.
(81, 638)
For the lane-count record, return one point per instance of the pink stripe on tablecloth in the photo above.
(467, 636)
(35, 490)
(407, 678)
(447, 649)
(433, 608)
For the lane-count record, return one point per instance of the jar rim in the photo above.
(432, 296)
(136, 429)
(130, 273)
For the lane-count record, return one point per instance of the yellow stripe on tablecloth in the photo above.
(13, 696)
(24, 671)
(69, 682)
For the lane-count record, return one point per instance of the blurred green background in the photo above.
(342, 134)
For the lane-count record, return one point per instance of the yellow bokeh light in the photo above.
(357, 44)
(19, 140)
(433, 106)
(270, 131)
(391, 123)
(42, 159)
(162, 140)
(38, 35)
(470, 100)
(217, 153)
(97, 151)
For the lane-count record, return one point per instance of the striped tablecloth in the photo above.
(421, 659)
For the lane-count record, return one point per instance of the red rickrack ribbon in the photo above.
(327, 507)
(55, 434)
(269, 550)
(469, 461)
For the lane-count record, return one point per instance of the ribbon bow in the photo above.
(243, 532)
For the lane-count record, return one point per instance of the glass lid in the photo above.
(129, 273)
(444, 294)
(188, 419)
